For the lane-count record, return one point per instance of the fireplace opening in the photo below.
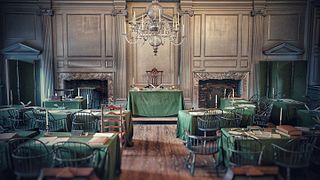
(95, 90)
(211, 90)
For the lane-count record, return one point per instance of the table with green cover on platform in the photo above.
(289, 111)
(155, 103)
(68, 104)
(187, 121)
(108, 159)
(267, 156)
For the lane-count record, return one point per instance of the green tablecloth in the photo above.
(289, 111)
(68, 104)
(187, 121)
(248, 107)
(155, 103)
(231, 102)
(267, 156)
(109, 156)
(305, 118)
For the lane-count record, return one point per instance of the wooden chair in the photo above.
(85, 121)
(295, 154)
(73, 154)
(200, 145)
(248, 153)
(112, 121)
(154, 77)
(210, 122)
(29, 157)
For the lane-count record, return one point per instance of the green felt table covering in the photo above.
(186, 122)
(305, 118)
(108, 164)
(154, 103)
(68, 104)
(267, 156)
(289, 111)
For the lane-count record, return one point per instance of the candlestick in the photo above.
(78, 91)
(280, 116)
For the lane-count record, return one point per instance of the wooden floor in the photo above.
(157, 154)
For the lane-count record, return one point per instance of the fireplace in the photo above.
(101, 85)
(206, 85)
(211, 89)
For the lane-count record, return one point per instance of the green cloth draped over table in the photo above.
(305, 118)
(68, 104)
(267, 156)
(289, 111)
(187, 121)
(248, 107)
(155, 103)
(108, 164)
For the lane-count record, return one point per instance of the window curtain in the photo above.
(47, 68)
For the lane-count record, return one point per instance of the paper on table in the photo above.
(197, 113)
(58, 139)
(47, 140)
(103, 135)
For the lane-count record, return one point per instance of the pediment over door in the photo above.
(283, 49)
(21, 52)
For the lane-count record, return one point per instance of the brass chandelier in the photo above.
(155, 27)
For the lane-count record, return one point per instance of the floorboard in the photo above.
(157, 154)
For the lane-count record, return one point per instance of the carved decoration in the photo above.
(197, 76)
(283, 49)
(87, 76)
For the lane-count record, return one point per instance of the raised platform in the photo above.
(154, 119)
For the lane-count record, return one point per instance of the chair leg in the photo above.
(288, 174)
(216, 165)
(193, 164)
(187, 161)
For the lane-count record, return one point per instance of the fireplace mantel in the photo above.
(235, 75)
(86, 76)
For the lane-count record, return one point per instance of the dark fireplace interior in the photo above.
(96, 90)
(208, 89)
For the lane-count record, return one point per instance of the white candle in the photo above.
(88, 101)
(272, 93)
(78, 91)
(280, 116)
(47, 120)
(232, 92)
(224, 93)
(11, 97)
(216, 100)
